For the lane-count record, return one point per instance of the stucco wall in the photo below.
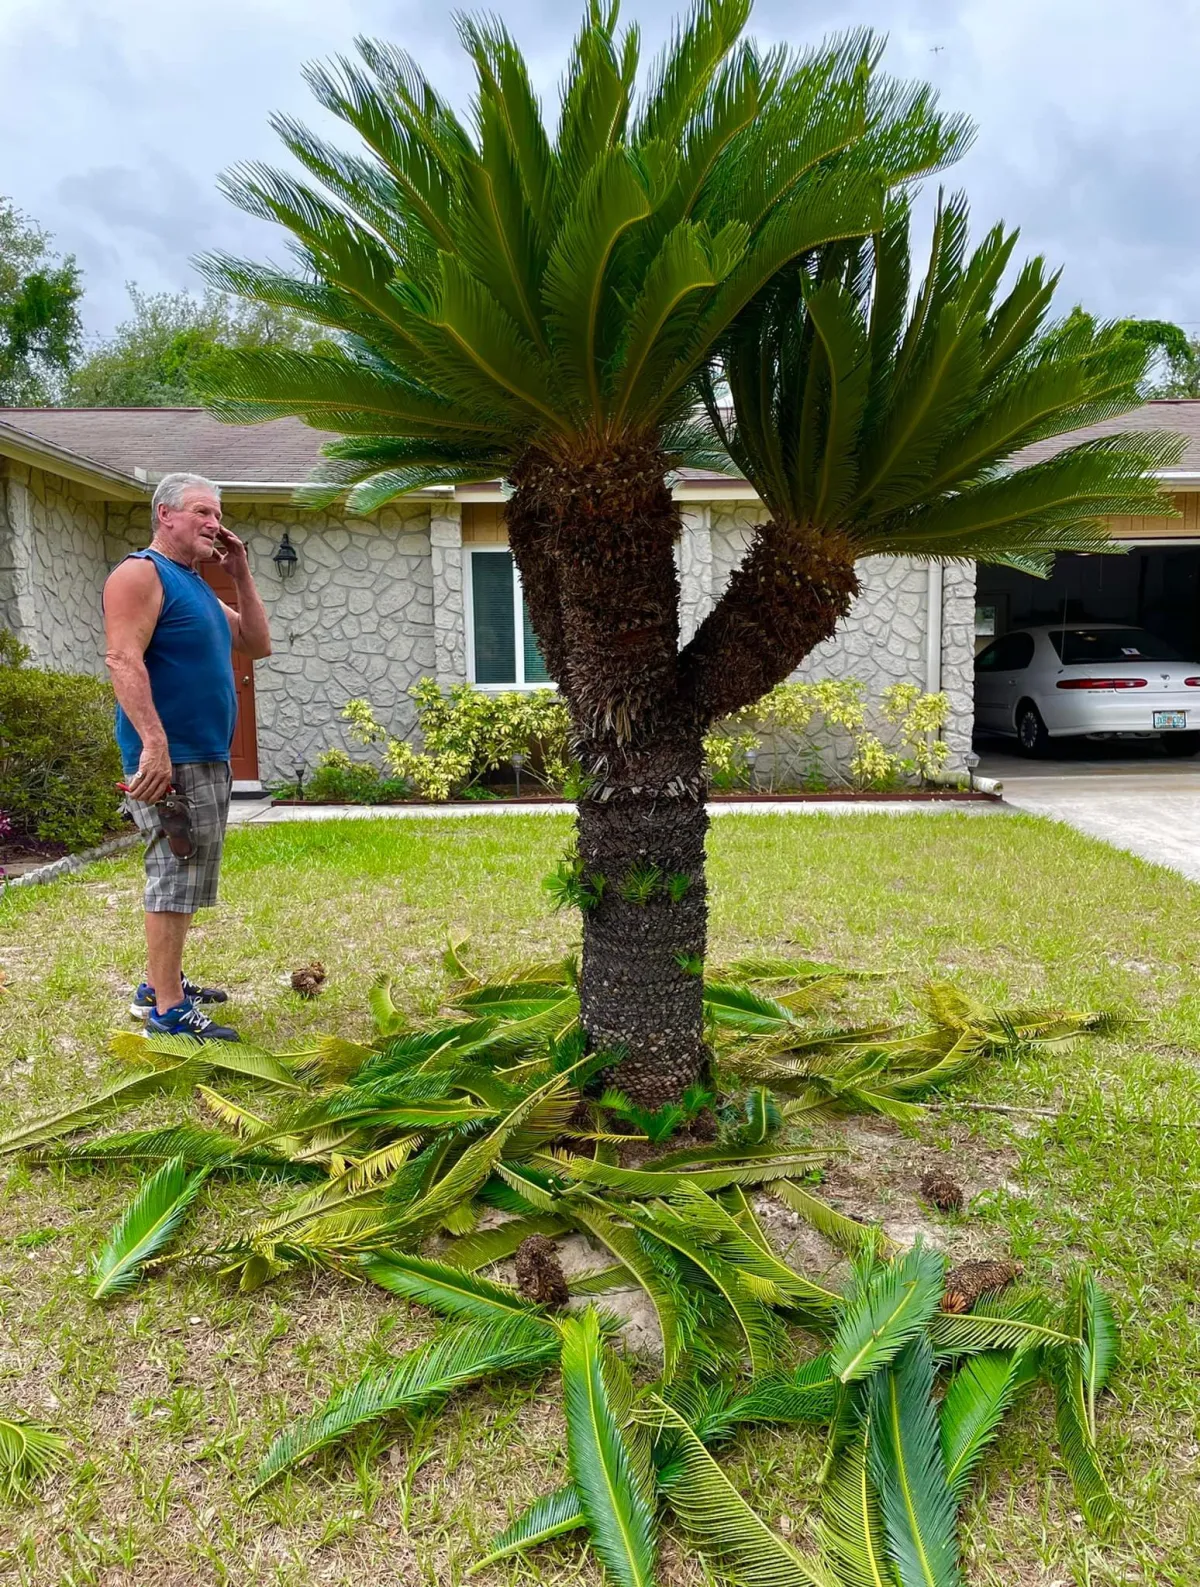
(52, 569)
(356, 618)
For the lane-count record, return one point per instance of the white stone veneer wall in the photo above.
(356, 618)
(52, 568)
(883, 639)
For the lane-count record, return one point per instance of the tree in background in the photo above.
(173, 342)
(40, 331)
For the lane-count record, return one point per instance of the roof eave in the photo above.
(34, 452)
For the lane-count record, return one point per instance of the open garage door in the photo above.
(1152, 587)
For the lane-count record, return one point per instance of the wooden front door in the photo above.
(243, 756)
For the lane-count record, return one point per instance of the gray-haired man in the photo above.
(169, 644)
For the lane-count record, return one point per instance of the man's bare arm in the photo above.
(248, 624)
(132, 602)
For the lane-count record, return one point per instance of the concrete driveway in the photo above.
(1141, 802)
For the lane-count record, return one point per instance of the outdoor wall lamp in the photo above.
(285, 558)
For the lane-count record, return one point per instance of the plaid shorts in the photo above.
(175, 886)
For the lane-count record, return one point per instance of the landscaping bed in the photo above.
(169, 1397)
(792, 796)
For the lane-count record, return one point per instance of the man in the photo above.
(169, 643)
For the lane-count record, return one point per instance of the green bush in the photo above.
(343, 781)
(59, 765)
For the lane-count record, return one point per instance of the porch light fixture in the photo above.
(285, 558)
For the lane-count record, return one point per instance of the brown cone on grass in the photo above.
(309, 979)
(540, 1277)
(942, 1192)
(968, 1282)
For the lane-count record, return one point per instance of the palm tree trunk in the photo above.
(594, 538)
(641, 987)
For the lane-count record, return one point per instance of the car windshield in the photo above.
(1080, 646)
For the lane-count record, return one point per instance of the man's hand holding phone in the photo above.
(231, 552)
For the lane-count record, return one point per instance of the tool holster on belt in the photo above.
(176, 817)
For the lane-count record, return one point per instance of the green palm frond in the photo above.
(146, 1227)
(29, 1453)
(660, 1182)
(901, 413)
(608, 1453)
(475, 1251)
(455, 1357)
(1015, 1320)
(856, 1239)
(387, 1017)
(549, 1517)
(198, 1148)
(741, 1008)
(236, 1058)
(974, 1405)
(807, 1394)
(904, 1461)
(450, 1290)
(36, 1132)
(887, 1306)
(670, 1302)
(1088, 1312)
(851, 1526)
(720, 1523)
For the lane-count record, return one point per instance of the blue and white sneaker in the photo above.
(185, 1019)
(143, 998)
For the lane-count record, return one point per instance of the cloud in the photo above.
(116, 117)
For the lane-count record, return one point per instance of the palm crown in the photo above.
(493, 286)
(890, 421)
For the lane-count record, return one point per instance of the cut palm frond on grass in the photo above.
(147, 1227)
(609, 1454)
(495, 1111)
(462, 1354)
(29, 1454)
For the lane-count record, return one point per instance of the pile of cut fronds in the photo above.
(422, 1159)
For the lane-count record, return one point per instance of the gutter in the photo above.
(933, 628)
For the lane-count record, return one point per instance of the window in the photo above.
(1010, 654)
(1111, 646)
(502, 649)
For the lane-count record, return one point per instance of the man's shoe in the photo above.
(185, 1019)
(143, 998)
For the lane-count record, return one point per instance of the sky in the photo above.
(117, 117)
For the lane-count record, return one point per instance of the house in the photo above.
(426, 586)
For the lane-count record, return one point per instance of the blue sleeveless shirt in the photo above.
(190, 663)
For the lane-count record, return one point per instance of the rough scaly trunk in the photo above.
(593, 535)
(594, 539)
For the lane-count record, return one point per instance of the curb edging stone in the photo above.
(70, 863)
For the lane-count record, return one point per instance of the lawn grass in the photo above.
(171, 1395)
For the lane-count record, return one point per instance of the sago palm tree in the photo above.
(543, 305)
(877, 421)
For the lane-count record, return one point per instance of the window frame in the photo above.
(521, 686)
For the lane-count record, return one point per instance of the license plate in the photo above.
(1169, 719)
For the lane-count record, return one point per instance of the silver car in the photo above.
(1102, 680)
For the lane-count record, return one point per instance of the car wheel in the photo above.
(1178, 745)
(1031, 730)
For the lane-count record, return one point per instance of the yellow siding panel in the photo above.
(483, 524)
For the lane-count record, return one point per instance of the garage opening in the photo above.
(1152, 587)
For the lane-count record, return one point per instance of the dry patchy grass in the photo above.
(171, 1396)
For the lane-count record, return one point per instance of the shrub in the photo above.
(467, 733)
(801, 723)
(339, 779)
(59, 765)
